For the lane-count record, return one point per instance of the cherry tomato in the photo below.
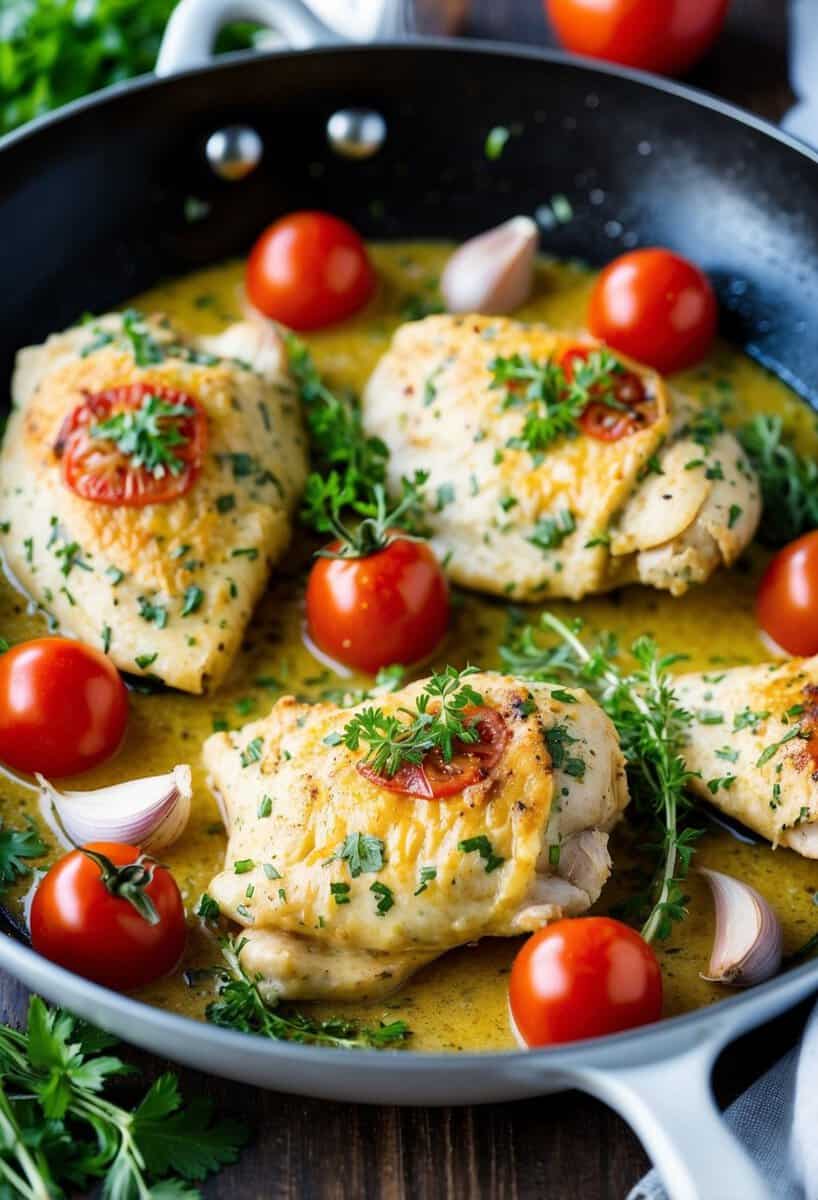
(471, 762)
(656, 307)
(309, 269)
(63, 707)
(583, 977)
(388, 607)
(667, 36)
(97, 468)
(787, 603)
(628, 410)
(115, 918)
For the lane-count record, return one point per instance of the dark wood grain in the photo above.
(559, 1147)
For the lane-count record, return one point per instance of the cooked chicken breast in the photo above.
(753, 742)
(294, 804)
(656, 507)
(167, 588)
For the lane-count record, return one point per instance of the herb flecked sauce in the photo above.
(458, 1002)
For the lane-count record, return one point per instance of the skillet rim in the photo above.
(571, 1055)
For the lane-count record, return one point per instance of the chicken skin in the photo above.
(344, 887)
(583, 515)
(165, 587)
(753, 743)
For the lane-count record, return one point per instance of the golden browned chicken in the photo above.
(147, 488)
(344, 886)
(536, 489)
(753, 743)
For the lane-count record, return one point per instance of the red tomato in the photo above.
(388, 607)
(63, 707)
(667, 36)
(583, 977)
(309, 269)
(81, 917)
(97, 468)
(434, 778)
(632, 409)
(656, 307)
(787, 603)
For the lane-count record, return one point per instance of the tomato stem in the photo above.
(128, 882)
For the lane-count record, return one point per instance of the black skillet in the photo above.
(95, 205)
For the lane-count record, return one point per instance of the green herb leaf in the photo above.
(363, 852)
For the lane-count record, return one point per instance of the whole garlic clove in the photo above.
(151, 813)
(748, 943)
(492, 273)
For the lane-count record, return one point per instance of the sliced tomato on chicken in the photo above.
(435, 778)
(134, 445)
(621, 409)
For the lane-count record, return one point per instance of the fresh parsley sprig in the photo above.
(338, 444)
(651, 725)
(325, 500)
(789, 481)
(17, 847)
(437, 721)
(59, 1132)
(553, 403)
(148, 435)
(241, 1006)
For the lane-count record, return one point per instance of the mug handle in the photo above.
(191, 32)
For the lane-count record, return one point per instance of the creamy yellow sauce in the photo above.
(459, 1002)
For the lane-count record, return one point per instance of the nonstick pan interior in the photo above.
(93, 202)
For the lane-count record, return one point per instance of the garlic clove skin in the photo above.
(748, 943)
(151, 813)
(492, 273)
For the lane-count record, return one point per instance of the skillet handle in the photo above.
(194, 25)
(670, 1106)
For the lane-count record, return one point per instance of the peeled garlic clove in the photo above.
(492, 273)
(150, 813)
(748, 943)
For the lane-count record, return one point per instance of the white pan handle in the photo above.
(671, 1108)
(194, 25)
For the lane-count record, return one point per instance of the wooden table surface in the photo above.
(560, 1147)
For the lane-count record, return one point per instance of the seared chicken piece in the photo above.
(166, 587)
(753, 742)
(295, 805)
(582, 517)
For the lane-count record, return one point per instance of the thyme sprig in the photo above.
(553, 401)
(241, 1006)
(651, 725)
(438, 720)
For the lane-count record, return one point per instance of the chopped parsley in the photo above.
(427, 875)
(482, 846)
(148, 436)
(386, 898)
(363, 853)
(340, 892)
(551, 532)
(265, 806)
(252, 752)
(192, 600)
(437, 722)
(149, 610)
(143, 661)
(208, 908)
(553, 403)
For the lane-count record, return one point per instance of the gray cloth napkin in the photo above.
(777, 1120)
